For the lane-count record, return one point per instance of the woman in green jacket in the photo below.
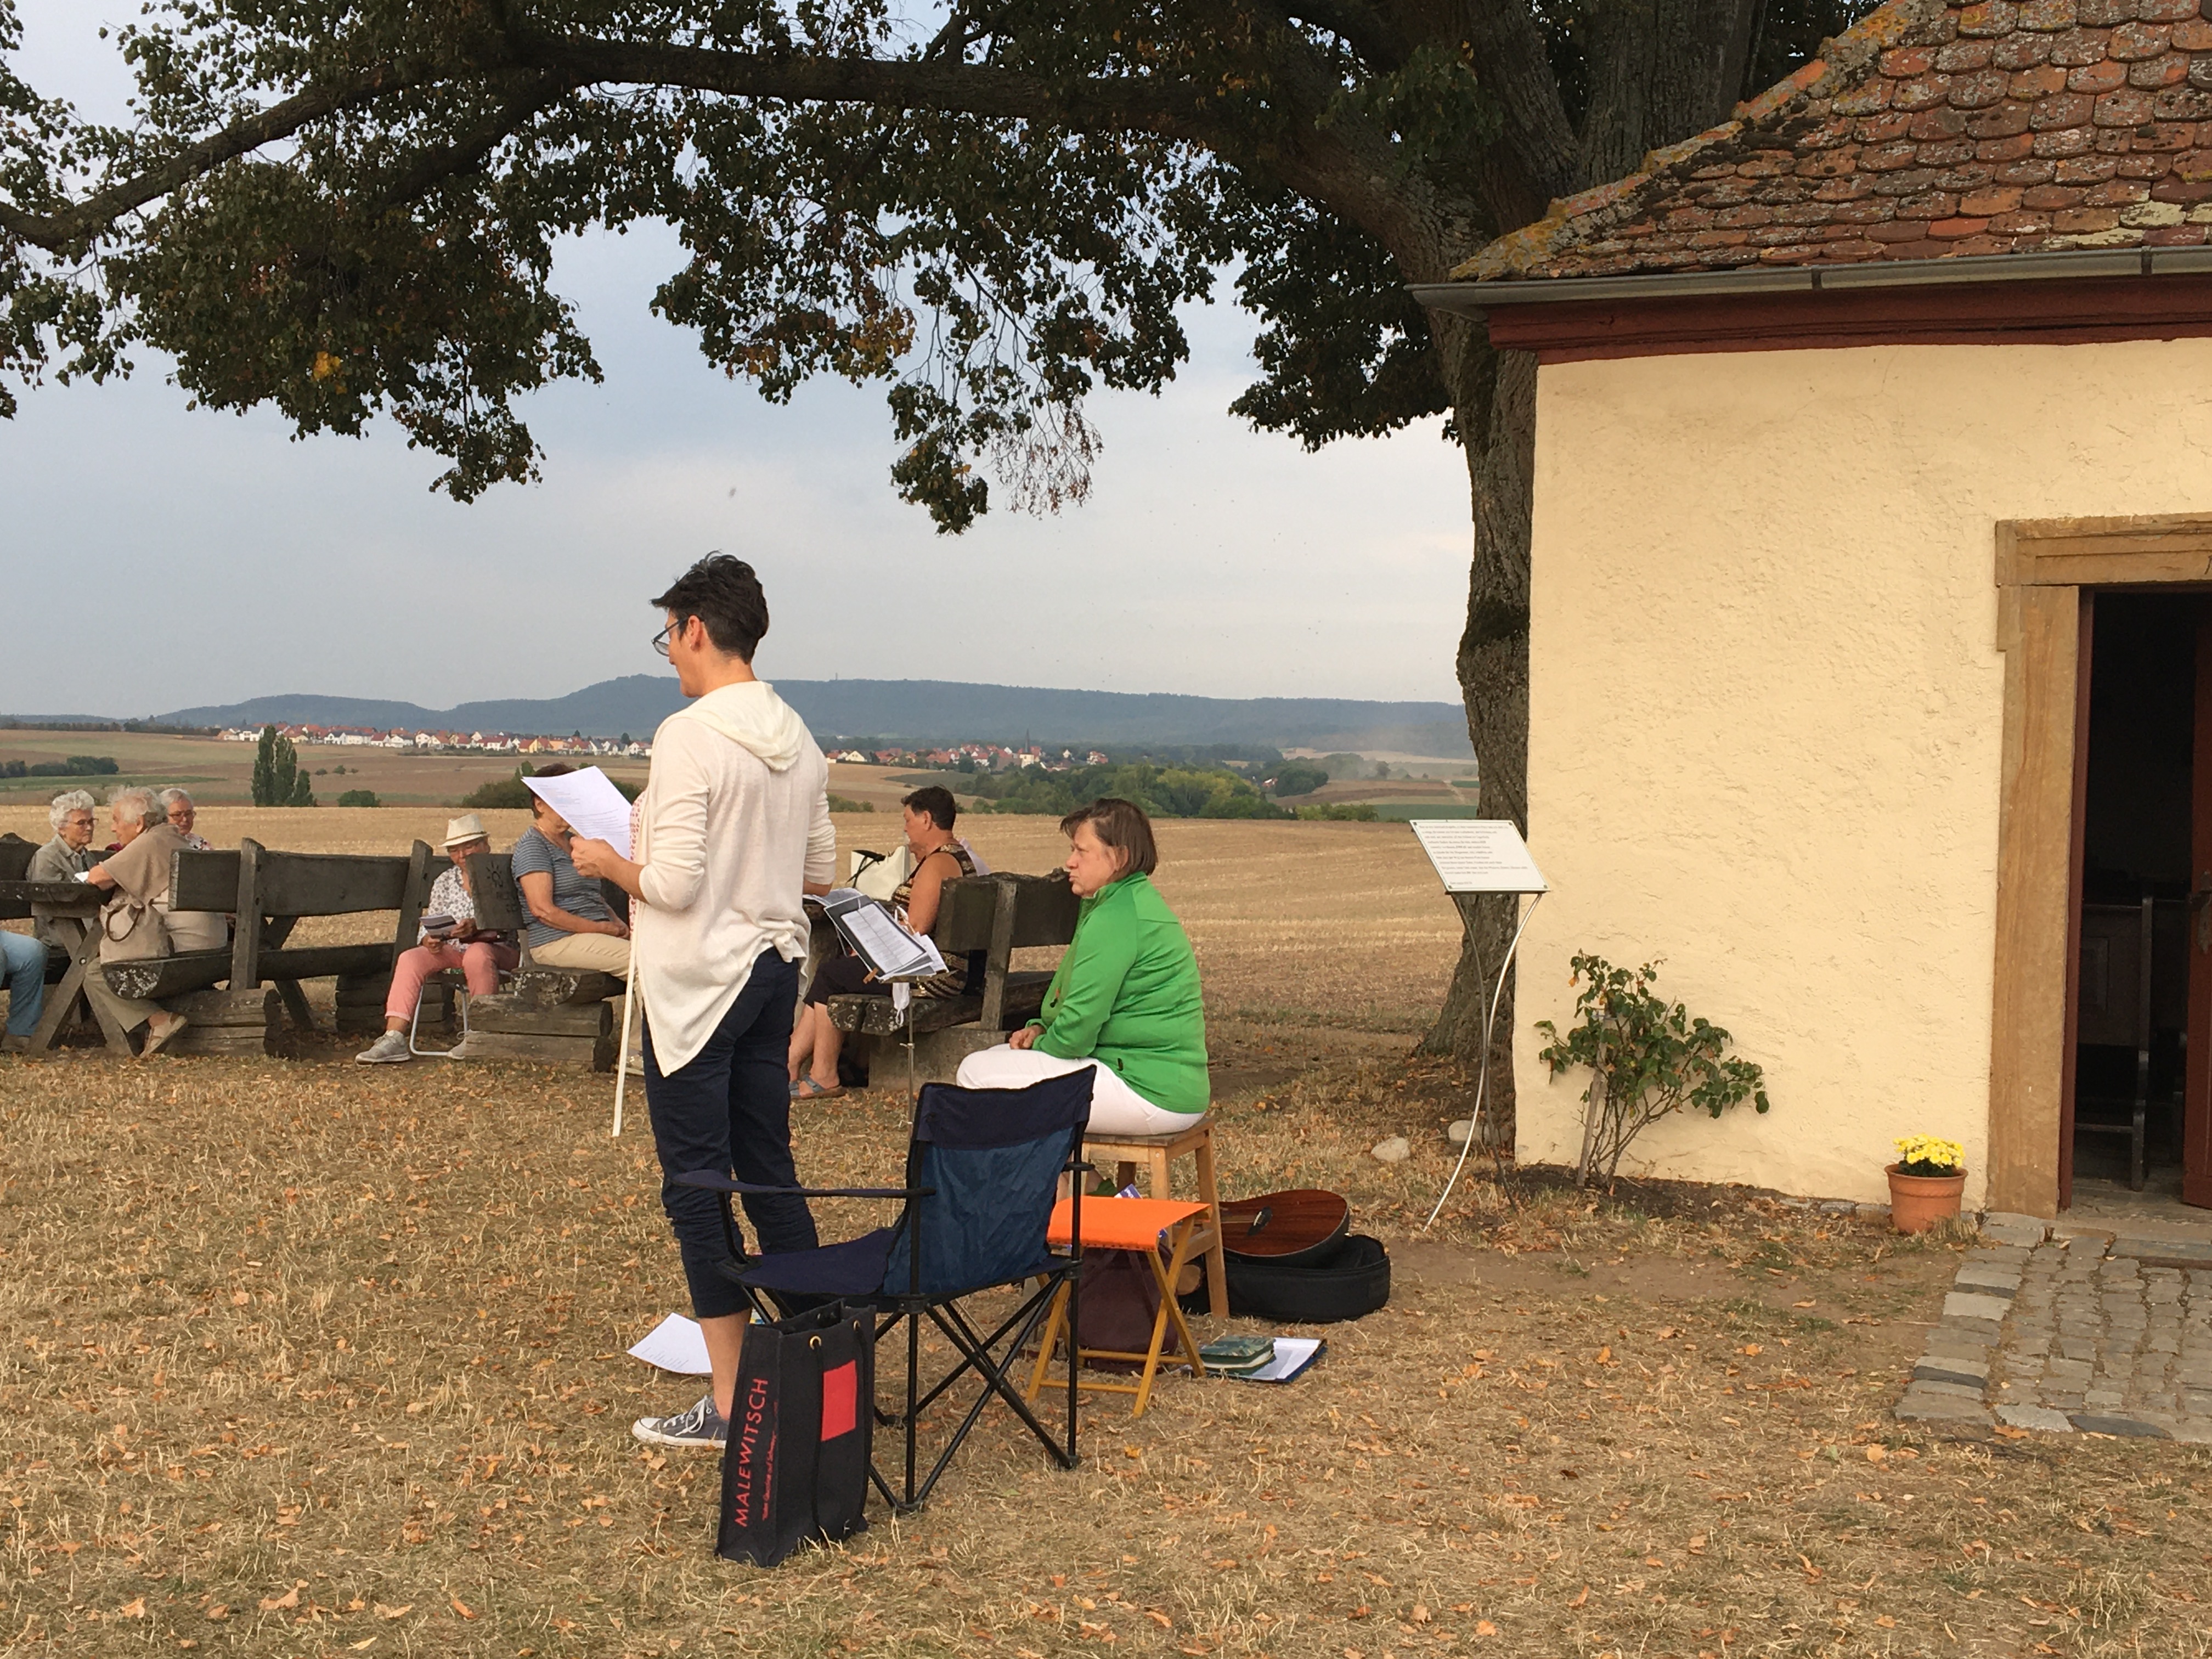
(1125, 999)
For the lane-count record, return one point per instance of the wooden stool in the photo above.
(1133, 1224)
(1157, 1153)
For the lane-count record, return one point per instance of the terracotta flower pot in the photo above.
(1918, 1202)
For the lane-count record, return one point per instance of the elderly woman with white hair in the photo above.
(177, 807)
(69, 854)
(134, 922)
(192, 930)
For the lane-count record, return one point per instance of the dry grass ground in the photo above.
(301, 1359)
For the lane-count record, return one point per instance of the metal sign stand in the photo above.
(1480, 855)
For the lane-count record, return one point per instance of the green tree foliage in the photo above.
(359, 798)
(990, 209)
(1648, 1058)
(1164, 792)
(1341, 811)
(75, 766)
(511, 794)
(278, 778)
(1298, 778)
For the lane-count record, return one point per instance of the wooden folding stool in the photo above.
(1127, 1224)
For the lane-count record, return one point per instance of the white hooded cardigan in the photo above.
(733, 820)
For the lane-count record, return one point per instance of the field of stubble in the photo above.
(301, 1358)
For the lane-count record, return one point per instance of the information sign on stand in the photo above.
(1480, 855)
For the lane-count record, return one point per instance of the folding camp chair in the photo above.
(983, 1169)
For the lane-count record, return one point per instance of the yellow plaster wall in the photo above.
(1766, 706)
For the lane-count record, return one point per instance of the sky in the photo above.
(1210, 560)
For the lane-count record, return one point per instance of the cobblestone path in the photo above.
(2094, 1333)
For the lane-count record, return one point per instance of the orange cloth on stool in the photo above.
(1120, 1224)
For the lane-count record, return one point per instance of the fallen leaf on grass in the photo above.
(1579, 1600)
(220, 1610)
(1751, 1348)
(462, 1607)
(290, 1598)
(1801, 1304)
(1484, 1627)
(384, 1613)
(1876, 1453)
(132, 1609)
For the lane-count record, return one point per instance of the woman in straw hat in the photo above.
(450, 939)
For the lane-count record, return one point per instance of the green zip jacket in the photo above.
(1127, 995)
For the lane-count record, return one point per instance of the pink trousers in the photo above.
(480, 963)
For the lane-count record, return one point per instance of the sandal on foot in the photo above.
(807, 1089)
(156, 1040)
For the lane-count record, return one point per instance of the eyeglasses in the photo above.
(660, 642)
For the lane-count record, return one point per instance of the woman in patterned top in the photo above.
(939, 856)
(450, 939)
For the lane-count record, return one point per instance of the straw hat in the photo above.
(468, 827)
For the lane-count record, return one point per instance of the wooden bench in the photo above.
(270, 893)
(554, 1016)
(66, 967)
(997, 915)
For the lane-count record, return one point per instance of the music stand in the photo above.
(1480, 855)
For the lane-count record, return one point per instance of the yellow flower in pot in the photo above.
(1925, 1182)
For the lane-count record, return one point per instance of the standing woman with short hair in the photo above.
(1124, 1000)
(732, 829)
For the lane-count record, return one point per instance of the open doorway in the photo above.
(2133, 1088)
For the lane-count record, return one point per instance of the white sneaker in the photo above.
(390, 1049)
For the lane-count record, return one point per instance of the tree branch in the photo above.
(1373, 37)
(77, 225)
(1534, 158)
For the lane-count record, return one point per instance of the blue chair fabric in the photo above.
(983, 1167)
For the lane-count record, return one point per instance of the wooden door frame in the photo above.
(2042, 566)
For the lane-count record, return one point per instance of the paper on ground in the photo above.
(676, 1344)
(590, 802)
(1292, 1355)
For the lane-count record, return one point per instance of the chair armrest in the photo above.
(722, 1183)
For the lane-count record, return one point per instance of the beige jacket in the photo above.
(734, 821)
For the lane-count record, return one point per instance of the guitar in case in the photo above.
(1291, 1257)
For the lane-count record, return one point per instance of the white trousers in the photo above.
(1115, 1108)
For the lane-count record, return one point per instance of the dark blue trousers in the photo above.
(730, 1111)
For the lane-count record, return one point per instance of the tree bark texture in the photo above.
(1660, 71)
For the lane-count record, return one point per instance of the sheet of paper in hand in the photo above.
(878, 938)
(590, 802)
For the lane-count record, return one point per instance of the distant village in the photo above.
(480, 743)
(965, 757)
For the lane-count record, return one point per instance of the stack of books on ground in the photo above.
(1253, 1358)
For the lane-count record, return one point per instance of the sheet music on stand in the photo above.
(1480, 855)
(879, 939)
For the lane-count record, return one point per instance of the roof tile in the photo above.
(1932, 129)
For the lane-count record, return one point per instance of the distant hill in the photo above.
(913, 712)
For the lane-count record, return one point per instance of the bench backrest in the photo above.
(492, 894)
(498, 904)
(15, 855)
(1045, 912)
(293, 883)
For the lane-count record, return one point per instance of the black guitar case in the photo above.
(1349, 1280)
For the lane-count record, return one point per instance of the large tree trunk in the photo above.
(1493, 677)
(1659, 70)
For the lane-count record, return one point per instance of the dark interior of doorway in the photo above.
(2131, 1015)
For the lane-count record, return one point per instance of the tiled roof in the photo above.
(1928, 130)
